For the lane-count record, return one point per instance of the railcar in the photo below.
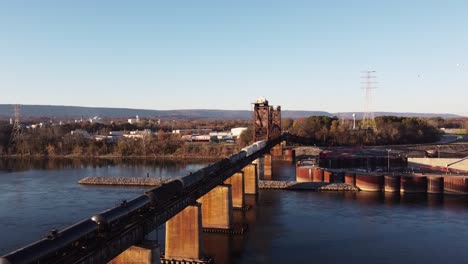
(110, 220)
(260, 144)
(249, 150)
(236, 157)
(58, 243)
(203, 173)
(164, 192)
(191, 178)
(233, 158)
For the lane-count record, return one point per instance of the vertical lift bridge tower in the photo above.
(267, 120)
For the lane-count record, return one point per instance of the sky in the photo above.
(302, 55)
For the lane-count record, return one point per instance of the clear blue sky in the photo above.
(302, 55)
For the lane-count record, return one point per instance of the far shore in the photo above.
(152, 157)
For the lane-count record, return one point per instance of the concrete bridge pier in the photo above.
(238, 190)
(259, 163)
(250, 179)
(183, 235)
(147, 252)
(267, 167)
(217, 209)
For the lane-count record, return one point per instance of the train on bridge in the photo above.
(72, 243)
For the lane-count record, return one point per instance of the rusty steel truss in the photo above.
(267, 121)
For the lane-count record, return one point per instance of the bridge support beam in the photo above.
(238, 190)
(250, 179)
(146, 253)
(217, 208)
(267, 167)
(259, 163)
(183, 234)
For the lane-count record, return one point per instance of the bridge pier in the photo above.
(267, 167)
(259, 163)
(183, 235)
(147, 252)
(250, 179)
(217, 208)
(238, 190)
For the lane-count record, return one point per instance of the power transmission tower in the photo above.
(16, 131)
(368, 82)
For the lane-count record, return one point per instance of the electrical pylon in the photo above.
(16, 131)
(368, 120)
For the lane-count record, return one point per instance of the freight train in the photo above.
(72, 240)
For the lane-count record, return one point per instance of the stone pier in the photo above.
(183, 234)
(267, 167)
(259, 163)
(250, 179)
(238, 190)
(217, 208)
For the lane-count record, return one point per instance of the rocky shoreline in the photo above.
(315, 186)
(123, 181)
(288, 185)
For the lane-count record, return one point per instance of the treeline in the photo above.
(457, 123)
(388, 130)
(57, 140)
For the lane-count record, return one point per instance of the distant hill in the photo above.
(57, 112)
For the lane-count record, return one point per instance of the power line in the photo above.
(368, 120)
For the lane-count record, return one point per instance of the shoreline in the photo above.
(112, 157)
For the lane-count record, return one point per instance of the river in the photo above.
(284, 226)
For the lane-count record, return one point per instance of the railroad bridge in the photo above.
(200, 201)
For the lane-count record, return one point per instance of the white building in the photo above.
(81, 132)
(134, 120)
(237, 131)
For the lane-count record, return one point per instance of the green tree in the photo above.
(246, 137)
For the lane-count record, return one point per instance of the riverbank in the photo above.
(115, 157)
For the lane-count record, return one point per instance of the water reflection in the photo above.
(25, 164)
(283, 226)
(456, 203)
(218, 246)
(37, 195)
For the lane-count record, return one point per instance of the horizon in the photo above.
(300, 55)
(206, 109)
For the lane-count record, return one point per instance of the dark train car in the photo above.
(110, 220)
(204, 173)
(55, 245)
(192, 178)
(236, 157)
(164, 192)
